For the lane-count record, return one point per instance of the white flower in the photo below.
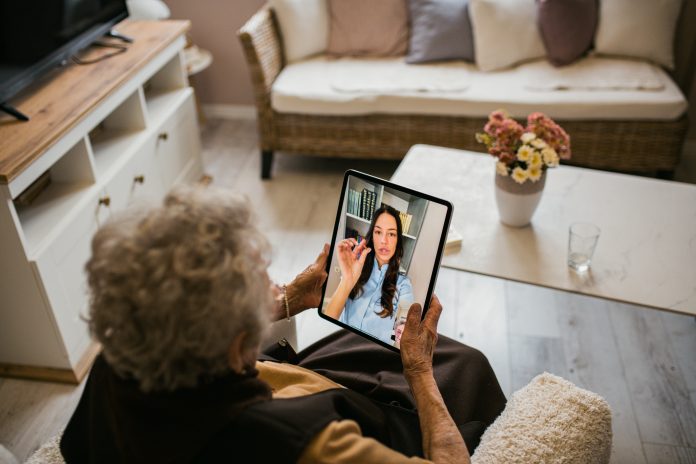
(524, 152)
(528, 137)
(535, 160)
(519, 175)
(550, 156)
(501, 168)
(538, 143)
(535, 173)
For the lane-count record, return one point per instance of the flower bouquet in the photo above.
(524, 153)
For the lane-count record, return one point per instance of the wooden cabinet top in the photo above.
(61, 100)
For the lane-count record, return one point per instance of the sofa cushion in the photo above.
(504, 32)
(367, 28)
(567, 28)
(638, 28)
(294, 17)
(440, 30)
(310, 87)
(349, 75)
(594, 73)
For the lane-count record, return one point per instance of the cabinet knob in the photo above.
(163, 136)
(106, 201)
(139, 179)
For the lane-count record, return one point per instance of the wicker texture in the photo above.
(263, 49)
(627, 146)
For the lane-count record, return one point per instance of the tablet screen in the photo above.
(385, 254)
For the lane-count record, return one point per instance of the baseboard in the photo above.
(223, 111)
(52, 374)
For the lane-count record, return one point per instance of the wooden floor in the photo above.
(642, 361)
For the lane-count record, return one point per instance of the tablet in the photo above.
(385, 255)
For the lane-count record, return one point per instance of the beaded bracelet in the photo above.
(287, 305)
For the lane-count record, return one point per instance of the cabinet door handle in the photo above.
(139, 179)
(163, 136)
(106, 201)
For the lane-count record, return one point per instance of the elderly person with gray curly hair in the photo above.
(180, 301)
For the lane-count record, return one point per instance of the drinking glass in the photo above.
(582, 241)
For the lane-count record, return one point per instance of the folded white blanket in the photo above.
(591, 73)
(393, 75)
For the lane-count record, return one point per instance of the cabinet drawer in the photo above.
(137, 182)
(60, 268)
(177, 142)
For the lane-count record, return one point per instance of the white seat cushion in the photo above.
(628, 90)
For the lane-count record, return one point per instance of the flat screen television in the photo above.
(36, 36)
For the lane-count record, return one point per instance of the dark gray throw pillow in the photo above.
(440, 30)
(567, 28)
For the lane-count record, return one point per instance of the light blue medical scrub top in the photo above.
(362, 312)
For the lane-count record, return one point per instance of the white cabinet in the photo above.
(59, 270)
(134, 145)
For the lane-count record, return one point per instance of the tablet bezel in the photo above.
(436, 264)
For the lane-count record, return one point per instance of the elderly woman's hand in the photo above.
(304, 291)
(419, 338)
(442, 441)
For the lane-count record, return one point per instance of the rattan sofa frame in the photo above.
(645, 147)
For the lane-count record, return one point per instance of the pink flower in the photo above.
(506, 158)
(498, 115)
(502, 136)
(504, 133)
(550, 132)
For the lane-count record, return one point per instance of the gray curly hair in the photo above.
(171, 286)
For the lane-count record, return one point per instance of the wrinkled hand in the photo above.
(351, 258)
(419, 338)
(304, 291)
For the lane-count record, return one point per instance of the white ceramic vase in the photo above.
(517, 202)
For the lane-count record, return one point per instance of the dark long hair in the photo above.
(389, 284)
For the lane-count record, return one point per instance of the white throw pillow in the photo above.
(639, 29)
(304, 25)
(505, 32)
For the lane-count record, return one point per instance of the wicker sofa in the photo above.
(635, 146)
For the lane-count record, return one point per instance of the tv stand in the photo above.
(103, 136)
(11, 110)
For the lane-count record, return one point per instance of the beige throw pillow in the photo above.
(639, 29)
(304, 25)
(368, 28)
(505, 33)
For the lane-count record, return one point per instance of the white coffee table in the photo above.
(646, 253)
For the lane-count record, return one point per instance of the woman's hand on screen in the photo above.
(351, 259)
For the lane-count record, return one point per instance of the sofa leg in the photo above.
(266, 163)
(665, 174)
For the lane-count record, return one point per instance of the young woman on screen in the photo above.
(371, 285)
